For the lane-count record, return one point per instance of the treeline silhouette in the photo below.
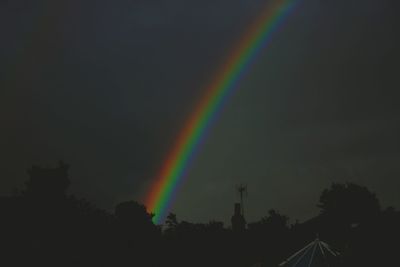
(44, 226)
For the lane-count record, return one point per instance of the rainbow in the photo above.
(175, 167)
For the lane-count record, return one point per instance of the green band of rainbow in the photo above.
(173, 170)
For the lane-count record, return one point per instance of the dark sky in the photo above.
(107, 85)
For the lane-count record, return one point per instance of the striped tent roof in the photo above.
(315, 254)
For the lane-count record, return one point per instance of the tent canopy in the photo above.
(315, 254)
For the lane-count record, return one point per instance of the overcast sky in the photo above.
(107, 85)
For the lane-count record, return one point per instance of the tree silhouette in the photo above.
(45, 226)
(343, 208)
(272, 232)
(136, 234)
(48, 183)
(349, 202)
(171, 224)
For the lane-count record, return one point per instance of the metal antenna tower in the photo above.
(241, 189)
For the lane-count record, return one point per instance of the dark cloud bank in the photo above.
(106, 86)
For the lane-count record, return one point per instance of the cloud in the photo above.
(107, 85)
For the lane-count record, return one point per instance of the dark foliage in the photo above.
(44, 226)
